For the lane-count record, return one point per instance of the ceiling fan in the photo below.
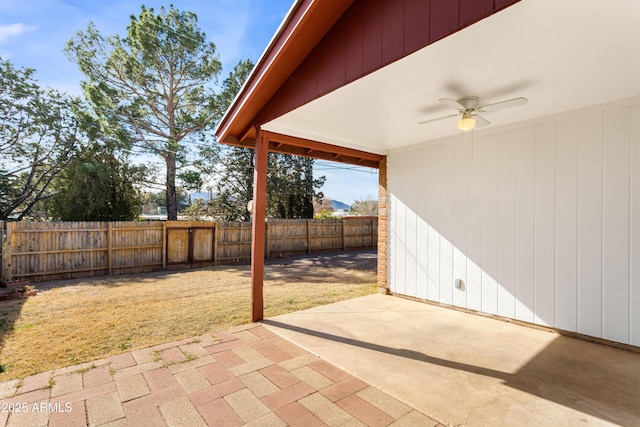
(468, 107)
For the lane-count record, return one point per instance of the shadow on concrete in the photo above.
(400, 352)
(591, 378)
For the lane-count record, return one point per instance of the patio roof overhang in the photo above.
(561, 55)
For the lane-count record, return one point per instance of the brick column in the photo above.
(383, 286)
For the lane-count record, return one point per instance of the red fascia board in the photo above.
(304, 26)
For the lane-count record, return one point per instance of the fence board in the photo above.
(47, 251)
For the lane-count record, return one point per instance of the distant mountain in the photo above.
(336, 205)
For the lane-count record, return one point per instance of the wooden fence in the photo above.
(40, 251)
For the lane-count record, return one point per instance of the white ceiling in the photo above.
(560, 54)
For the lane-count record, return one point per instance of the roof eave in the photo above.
(305, 24)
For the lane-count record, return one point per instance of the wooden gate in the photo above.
(190, 243)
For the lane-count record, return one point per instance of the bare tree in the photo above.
(365, 207)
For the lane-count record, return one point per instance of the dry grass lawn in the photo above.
(77, 321)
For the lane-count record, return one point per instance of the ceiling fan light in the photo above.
(466, 123)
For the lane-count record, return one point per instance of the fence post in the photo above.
(344, 234)
(110, 247)
(164, 245)
(8, 264)
(215, 243)
(372, 235)
(266, 239)
(308, 236)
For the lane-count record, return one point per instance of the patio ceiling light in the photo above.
(466, 122)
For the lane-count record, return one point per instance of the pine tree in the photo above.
(152, 83)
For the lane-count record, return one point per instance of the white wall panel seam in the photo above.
(629, 228)
(602, 222)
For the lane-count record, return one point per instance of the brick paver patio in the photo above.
(245, 376)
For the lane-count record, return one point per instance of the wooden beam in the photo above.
(258, 226)
(322, 146)
(232, 140)
(285, 144)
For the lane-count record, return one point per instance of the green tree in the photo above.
(98, 185)
(234, 186)
(191, 181)
(153, 83)
(291, 188)
(39, 135)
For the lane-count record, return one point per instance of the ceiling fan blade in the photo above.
(436, 119)
(452, 103)
(481, 121)
(515, 102)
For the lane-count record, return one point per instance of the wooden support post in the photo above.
(308, 236)
(110, 248)
(258, 231)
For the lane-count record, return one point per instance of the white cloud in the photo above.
(12, 30)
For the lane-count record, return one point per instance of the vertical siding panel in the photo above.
(504, 3)
(590, 225)
(409, 196)
(474, 230)
(416, 25)
(460, 167)
(338, 55)
(616, 226)
(393, 231)
(433, 219)
(401, 248)
(372, 36)
(446, 226)
(444, 18)
(392, 30)
(634, 268)
(422, 239)
(354, 45)
(489, 223)
(506, 225)
(473, 10)
(306, 84)
(566, 224)
(525, 231)
(323, 67)
(410, 262)
(544, 290)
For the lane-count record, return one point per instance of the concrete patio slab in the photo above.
(464, 369)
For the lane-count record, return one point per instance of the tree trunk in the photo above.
(172, 202)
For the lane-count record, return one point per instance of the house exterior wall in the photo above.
(540, 221)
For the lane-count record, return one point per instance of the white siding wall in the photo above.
(542, 222)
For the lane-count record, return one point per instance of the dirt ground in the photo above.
(75, 321)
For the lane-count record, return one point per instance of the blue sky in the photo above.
(33, 34)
